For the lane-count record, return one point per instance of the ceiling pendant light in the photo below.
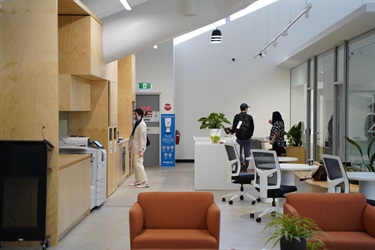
(216, 36)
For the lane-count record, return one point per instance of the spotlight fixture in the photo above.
(216, 36)
(284, 32)
(262, 54)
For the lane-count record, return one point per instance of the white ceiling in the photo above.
(152, 22)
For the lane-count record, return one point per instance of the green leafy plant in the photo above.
(368, 166)
(294, 135)
(215, 138)
(213, 121)
(296, 227)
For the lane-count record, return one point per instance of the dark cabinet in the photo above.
(23, 192)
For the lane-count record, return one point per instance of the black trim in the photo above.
(185, 161)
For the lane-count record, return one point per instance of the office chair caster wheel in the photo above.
(258, 200)
(230, 202)
(223, 199)
(252, 216)
(241, 197)
(258, 220)
(273, 214)
(253, 202)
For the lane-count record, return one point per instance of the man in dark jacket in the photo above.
(243, 127)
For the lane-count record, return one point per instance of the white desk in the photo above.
(287, 159)
(210, 166)
(287, 171)
(366, 182)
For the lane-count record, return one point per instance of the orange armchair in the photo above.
(346, 218)
(174, 220)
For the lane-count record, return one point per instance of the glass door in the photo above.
(324, 104)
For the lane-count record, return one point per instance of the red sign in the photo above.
(167, 106)
(148, 110)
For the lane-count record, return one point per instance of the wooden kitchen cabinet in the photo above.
(113, 155)
(113, 104)
(74, 93)
(74, 190)
(81, 47)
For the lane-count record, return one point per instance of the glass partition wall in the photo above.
(324, 104)
(361, 94)
(333, 94)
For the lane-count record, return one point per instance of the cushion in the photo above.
(174, 239)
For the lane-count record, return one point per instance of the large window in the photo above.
(361, 93)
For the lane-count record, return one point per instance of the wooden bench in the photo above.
(319, 186)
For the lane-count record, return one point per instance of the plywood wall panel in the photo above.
(126, 94)
(28, 82)
(81, 46)
(94, 123)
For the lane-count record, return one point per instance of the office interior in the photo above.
(322, 69)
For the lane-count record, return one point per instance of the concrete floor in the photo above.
(107, 228)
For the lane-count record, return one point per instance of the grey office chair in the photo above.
(235, 176)
(336, 175)
(267, 180)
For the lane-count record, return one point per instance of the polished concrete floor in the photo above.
(107, 228)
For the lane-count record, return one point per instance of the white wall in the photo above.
(156, 66)
(207, 80)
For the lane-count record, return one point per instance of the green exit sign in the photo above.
(144, 85)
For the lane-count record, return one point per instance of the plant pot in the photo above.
(293, 244)
(215, 135)
(299, 152)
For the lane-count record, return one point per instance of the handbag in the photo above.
(320, 174)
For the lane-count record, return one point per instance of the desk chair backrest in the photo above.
(267, 170)
(234, 164)
(336, 175)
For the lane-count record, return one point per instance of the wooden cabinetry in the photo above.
(113, 163)
(299, 152)
(74, 190)
(80, 47)
(126, 94)
(74, 93)
(113, 104)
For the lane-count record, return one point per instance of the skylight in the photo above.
(253, 7)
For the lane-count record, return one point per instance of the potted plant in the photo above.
(295, 233)
(213, 122)
(370, 166)
(294, 135)
(294, 148)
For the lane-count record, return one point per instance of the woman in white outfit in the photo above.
(137, 147)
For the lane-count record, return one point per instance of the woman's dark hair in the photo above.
(139, 111)
(276, 116)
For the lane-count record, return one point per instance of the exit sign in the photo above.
(144, 85)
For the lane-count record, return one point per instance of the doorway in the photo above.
(151, 103)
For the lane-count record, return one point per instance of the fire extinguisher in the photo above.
(177, 137)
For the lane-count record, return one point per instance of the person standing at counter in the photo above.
(243, 127)
(137, 147)
(277, 133)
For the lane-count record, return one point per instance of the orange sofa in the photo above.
(346, 218)
(174, 220)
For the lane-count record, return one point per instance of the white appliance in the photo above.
(74, 141)
(98, 165)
